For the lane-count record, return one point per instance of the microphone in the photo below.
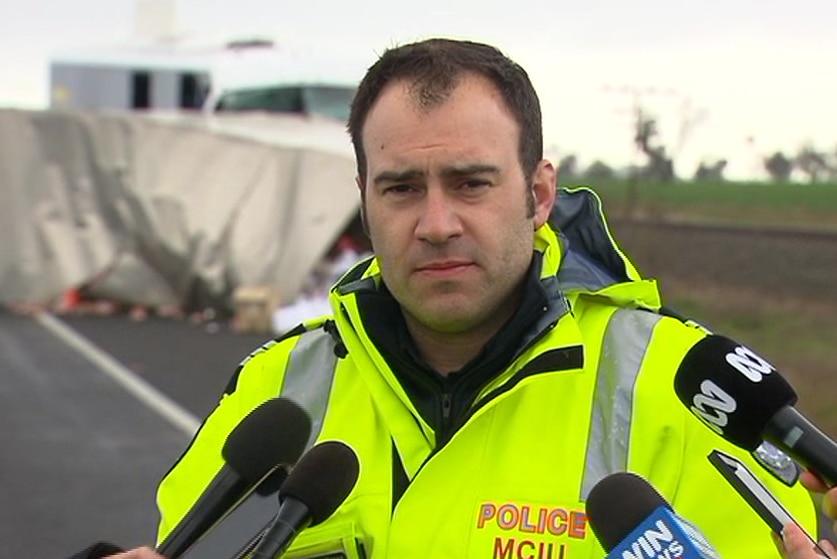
(742, 397)
(633, 521)
(312, 492)
(272, 435)
(98, 550)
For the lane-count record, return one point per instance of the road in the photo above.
(83, 445)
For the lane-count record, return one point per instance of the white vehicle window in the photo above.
(330, 101)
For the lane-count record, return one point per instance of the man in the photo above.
(486, 368)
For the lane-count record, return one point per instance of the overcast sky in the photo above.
(751, 76)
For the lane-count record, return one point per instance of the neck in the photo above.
(447, 352)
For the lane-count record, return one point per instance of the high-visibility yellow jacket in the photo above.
(589, 393)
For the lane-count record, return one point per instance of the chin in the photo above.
(447, 320)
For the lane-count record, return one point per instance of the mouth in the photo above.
(446, 268)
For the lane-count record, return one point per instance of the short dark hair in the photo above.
(435, 66)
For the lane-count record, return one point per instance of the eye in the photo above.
(398, 189)
(474, 184)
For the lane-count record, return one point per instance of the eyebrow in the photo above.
(449, 171)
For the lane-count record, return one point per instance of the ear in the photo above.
(362, 188)
(543, 190)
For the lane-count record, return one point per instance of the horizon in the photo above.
(745, 80)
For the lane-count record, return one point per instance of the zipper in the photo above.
(447, 405)
(445, 428)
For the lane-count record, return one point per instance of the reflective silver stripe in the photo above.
(309, 376)
(623, 349)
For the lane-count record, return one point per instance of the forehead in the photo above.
(471, 113)
(425, 98)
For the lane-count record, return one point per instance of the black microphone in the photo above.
(98, 550)
(631, 519)
(742, 397)
(271, 436)
(312, 492)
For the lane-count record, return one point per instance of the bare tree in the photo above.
(779, 167)
(660, 166)
(813, 164)
(711, 172)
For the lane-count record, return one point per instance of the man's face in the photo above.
(446, 205)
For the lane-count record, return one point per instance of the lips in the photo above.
(449, 270)
(443, 266)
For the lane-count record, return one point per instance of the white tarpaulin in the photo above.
(159, 208)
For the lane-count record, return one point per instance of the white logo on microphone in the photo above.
(712, 405)
(749, 364)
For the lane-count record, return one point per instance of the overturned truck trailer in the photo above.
(159, 209)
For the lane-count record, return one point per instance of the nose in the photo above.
(439, 220)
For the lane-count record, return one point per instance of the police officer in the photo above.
(496, 357)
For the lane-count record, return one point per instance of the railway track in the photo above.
(731, 228)
(777, 262)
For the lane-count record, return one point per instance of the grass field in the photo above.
(799, 340)
(762, 204)
(798, 337)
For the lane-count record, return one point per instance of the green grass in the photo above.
(763, 327)
(810, 206)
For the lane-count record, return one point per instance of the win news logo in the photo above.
(663, 535)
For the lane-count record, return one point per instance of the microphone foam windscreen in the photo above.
(618, 504)
(274, 433)
(323, 479)
(732, 389)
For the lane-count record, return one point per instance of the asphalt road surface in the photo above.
(94, 411)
